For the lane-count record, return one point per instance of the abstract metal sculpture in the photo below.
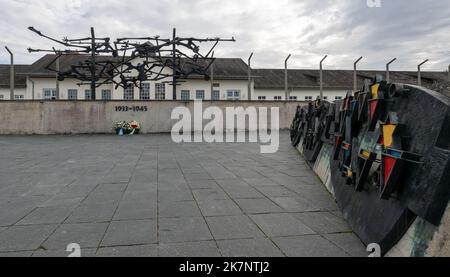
(115, 62)
(389, 161)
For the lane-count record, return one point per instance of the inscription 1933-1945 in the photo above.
(131, 108)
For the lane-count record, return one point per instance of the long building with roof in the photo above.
(229, 82)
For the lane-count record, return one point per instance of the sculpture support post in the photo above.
(93, 67)
(11, 80)
(388, 74)
(174, 60)
(57, 80)
(286, 88)
(212, 79)
(355, 74)
(321, 77)
(419, 73)
(249, 90)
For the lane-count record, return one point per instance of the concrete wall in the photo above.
(88, 117)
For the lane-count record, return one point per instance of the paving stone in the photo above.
(117, 187)
(63, 201)
(297, 172)
(197, 176)
(324, 222)
(281, 225)
(172, 230)
(138, 251)
(350, 243)
(9, 217)
(178, 209)
(219, 207)
(233, 227)
(200, 249)
(325, 205)
(276, 191)
(136, 210)
(92, 213)
(87, 235)
(202, 184)
(102, 184)
(244, 172)
(260, 182)
(139, 196)
(103, 198)
(295, 204)
(289, 181)
(24, 238)
(249, 248)
(145, 186)
(242, 192)
(127, 233)
(204, 195)
(309, 246)
(47, 215)
(174, 195)
(258, 206)
(192, 169)
(21, 254)
(217, 171)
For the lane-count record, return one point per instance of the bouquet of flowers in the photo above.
(135, 127)
(127, 128)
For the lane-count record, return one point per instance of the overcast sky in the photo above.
(411, 30)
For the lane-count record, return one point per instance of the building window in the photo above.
(338, 98)
(160, 91)
(128, 92)
(200, 95)
(49, 93)
(2, 97)
(233, 95)
(87, 94)
(145, 91)
(185, 95)
(308, 98)
(278, 98)
(19, 97)
(262, 98)
(216, 95)
(72, 94)
(106, 94)
(293, 98)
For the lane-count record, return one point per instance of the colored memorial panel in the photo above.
(389, 160)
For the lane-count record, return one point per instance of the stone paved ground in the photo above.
(146, 196)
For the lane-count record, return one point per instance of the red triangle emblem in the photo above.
(389, 164)
(373, 108)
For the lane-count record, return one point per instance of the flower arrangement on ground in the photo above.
(127, 128)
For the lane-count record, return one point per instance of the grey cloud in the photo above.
(345, 29)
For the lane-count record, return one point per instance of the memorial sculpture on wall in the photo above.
(390, 160)
(113, 62)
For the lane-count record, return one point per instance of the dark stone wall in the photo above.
(381, 202)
